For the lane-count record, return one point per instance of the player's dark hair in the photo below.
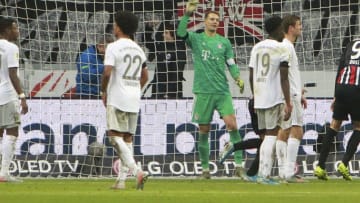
(127, 22)
(208, 13)
(289, 20)
(273, 26)
(6, 23)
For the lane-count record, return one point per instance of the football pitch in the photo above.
(178, 190)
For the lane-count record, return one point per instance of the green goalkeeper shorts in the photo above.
(205, 105)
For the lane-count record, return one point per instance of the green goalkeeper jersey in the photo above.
(210, 57)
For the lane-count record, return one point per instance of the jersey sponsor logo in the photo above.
(205, 54)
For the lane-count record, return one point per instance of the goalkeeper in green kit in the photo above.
(212, 53)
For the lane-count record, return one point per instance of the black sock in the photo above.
(325, 147)
(254, 167)
(351, 147)
(247, 144)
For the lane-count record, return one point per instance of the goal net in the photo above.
(63, 135)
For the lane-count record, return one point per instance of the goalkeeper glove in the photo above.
(191, 6)
(241, 85)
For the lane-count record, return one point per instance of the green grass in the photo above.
(178, 190)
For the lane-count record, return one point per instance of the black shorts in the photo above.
(347, 103)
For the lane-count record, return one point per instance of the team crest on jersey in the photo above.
(236, 16)
(196, 116)
(220, 46)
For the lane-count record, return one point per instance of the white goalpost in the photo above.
(63, 136)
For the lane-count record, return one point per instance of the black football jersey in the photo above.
(349, 67)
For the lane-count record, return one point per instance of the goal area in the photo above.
(65, 136)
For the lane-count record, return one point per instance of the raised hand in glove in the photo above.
(241, 85)
(191, 6)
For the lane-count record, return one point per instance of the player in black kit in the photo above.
(346, 102)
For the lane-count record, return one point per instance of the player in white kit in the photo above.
(270, 87)
(10, 93)
(125, 74)
(290, 136)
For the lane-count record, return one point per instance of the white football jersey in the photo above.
(124, 90)
(294, 72)
(9, 58)
(265, 60)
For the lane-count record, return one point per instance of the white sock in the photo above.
(267, 151)
(8, 151)
(292, 151)
(0, 150)
(281, 148)
(1, 139)
(124, 153)
(124, 170)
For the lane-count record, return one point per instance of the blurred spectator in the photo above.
(153, 37)
(90, 66)
(171, 60)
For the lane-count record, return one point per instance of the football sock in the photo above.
(351, 147)
(247, 144)
(124, 170)
(8, 151)
(254, 167)
(1, 139)
(267, 151)
(204, 150)
(292, 151)
(235, 138)
(0, 149)
(124, 154)
(325, 147)
(281, 150)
